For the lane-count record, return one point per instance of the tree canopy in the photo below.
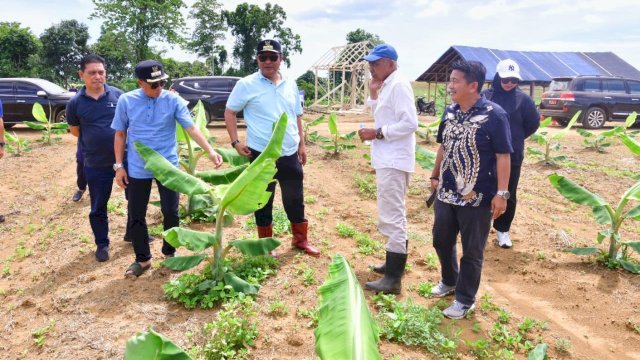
(208, 31)
(17, 46)
(359, 35)
(63, 45)
(142, 21)
(250, 24)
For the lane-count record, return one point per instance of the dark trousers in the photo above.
(139, 191)
(472, 223)
(81, 179)
(503, 223)
(290, 177)
(100, 181)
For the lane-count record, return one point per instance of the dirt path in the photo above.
(49, 272)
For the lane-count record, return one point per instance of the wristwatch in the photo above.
(118, 166)
(234, 143)
(504, 193)
(379, 134)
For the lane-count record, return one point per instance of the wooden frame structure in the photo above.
(343, 77)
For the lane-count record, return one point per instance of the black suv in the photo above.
(212, 90)
(19, 94)
(600, 98)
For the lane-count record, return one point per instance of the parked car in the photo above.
(212, 90)
(600, 98)
(19, 94)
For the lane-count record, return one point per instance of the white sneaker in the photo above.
(458, 310)
(442, 290)
(503, 239)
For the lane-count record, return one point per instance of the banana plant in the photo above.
(152, 345)
(605, 214)
(599, 142)
(201, 206)
(243, 196)
(550, 142)
(425, 157)
(338, 142)
(47, 125)
(311, 137)
(430, 131)
(15, 144)
(345, 328)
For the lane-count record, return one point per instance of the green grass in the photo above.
(366, 186)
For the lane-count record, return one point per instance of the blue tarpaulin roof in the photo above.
(535, 66)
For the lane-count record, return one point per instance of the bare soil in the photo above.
(50, 273)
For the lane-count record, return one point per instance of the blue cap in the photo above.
(382, 51)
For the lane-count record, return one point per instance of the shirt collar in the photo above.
(480, 104)
(282, 76)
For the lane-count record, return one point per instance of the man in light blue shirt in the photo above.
(263, 97)
(149, 115)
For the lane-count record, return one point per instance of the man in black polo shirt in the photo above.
(89, 115)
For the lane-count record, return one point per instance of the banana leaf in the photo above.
(35, 126)
(249, 191)
(169, 175)
(190, 239)
(584, 251)
(560, 134)
(425, 157)
(232, 157)
(224, 176)
(153, 345)
(635, 245)
(333, 124)
(316, 121)
(38, 112)
(633, 193)
(239, 285)
(630, 143)
(256, 247)
(199, 120)
(631, 119)
(539, 352)
(630, 267)
(345, 329)
(546, 122)
(575, 192)
(182, 263)
(11, 138)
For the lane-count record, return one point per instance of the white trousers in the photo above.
(392, 187)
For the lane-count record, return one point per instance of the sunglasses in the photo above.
(160, 83)
(509, 80)
(264, 57)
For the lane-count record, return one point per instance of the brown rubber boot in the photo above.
(300, 240)
(265, 232)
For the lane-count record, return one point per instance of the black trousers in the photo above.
(473, 224)
(503, 223)
(139, 191)
(81, 179)
(290, 177)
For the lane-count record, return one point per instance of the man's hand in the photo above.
(374, 87)
(302, 153)
(121, 178)
(498, 206)
(242, 149)
(216, 158)
(367, 134)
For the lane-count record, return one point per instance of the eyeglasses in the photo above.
(509, 80)
(264, 57)
(160, 83)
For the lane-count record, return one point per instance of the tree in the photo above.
(63, 45)
(17, 46)
(142, 21)
(118, 53)
(250, 24)
(209, 29)
(359, 35)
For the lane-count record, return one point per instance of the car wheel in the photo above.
(562, 122)
(61, 115)
(594, 118)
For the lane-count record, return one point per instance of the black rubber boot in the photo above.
(394, 269)
(380, 269)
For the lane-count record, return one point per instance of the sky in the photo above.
(420, 30)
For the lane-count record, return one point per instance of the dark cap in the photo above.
(150, 71)
(270, 46)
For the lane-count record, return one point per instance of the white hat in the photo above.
(508, 68)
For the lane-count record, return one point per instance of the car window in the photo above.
(218, 85)
(615, 86)
(6, 89)
(634, 87)
(559, 85)
(591, 85)
(26, 89)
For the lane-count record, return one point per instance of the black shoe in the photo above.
(77, 196)
(391, 282)
(102, 254)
